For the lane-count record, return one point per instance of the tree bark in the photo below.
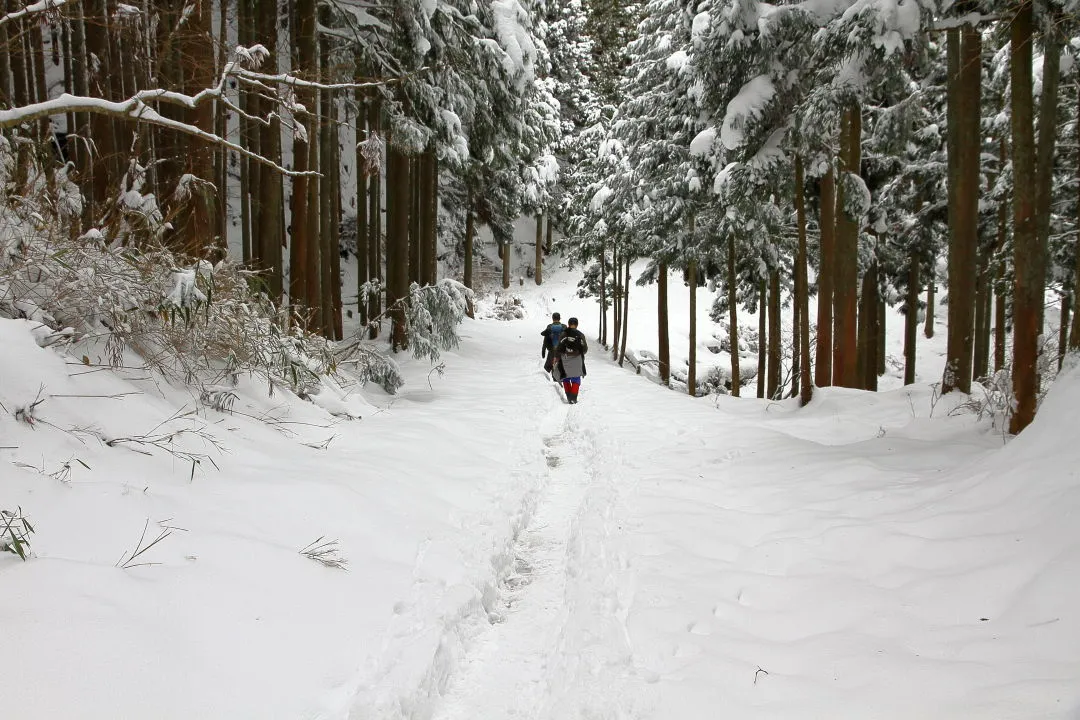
(1028, 284)
(804, 386)
(1044, 162)
(398, 196)
(1000, 316)
(327, 131)
(868, 338)
(691, 370)
(1074, 336)
(662, 323)
(826, 268)
(911, 319)
(271, 191)
(733, 319)
(299, 251)
(616, 307)
(846, 280)
(416, 208)
(362, 271)
(431, 218)
(775, 332)
(603, 292)
(1063, 328)
(882, 318)
(763, 337)
(470, 229)
(506, 259)
(375, 224)
(965, 95)
(539, 272)
(625, 310)
(5, 65)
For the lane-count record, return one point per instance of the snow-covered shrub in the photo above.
(193, 321)
(433, 314)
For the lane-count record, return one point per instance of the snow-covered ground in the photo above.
(640, 555)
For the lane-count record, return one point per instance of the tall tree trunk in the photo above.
(69, 86)
(221, 128)
(796, 339)
(964, 94)
(691, 370)
(79, 80)
(335, 230)
(431, 218)
(539, 272)
(1074, 336)
(416, 205)
(550, 232)
(299, 250)
(882, 318)
(272, 194)
(375, 224)
(982, 320)
(1000, 290)
(868, 338)
(398, 196)
(763, 337)
(1044, 162)
(911, 318)
(931, 296)
(6, 98)
(774, 335)
(361, 200)
(662, 323)
(506, 260)
(101, 126)
(846, 279)
(616, 308)
(1063, 327)
(802, 292)
(733, 319)
(316, 278)
(470, 229)
(625, 311)
(1028, 285)
(826, 271)
(327, 131)
(603, 292)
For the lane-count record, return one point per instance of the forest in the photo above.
(864, 153)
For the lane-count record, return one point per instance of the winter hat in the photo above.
(572, 322)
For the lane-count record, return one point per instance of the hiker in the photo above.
(571, 358)
(551, 334)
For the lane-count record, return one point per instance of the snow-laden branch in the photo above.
(32, 9)
(140, 106)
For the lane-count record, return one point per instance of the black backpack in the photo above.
(571, 346)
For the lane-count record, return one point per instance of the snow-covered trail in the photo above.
(848, 560)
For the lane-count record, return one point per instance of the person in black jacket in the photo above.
(552, 333)
(571, 359)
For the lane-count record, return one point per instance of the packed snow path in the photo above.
(557, 621)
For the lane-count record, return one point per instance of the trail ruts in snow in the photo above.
(558, 647)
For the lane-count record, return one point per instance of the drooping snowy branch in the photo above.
(33, 9)
(140, 106)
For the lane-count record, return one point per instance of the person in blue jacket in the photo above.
(552, 333)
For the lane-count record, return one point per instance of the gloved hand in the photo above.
(543, 352)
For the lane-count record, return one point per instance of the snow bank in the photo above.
(227, 619)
